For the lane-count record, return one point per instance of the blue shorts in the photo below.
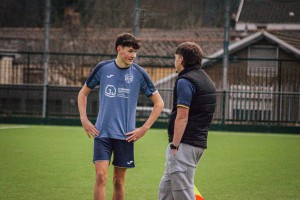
(123, 151)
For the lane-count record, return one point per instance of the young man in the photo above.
(120, 82)
(194, 103)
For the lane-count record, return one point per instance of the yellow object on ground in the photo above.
(197, 194)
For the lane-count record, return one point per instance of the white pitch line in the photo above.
(255, 134)
(12, 127)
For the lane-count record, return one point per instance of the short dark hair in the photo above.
(191, 53)
(127, 40)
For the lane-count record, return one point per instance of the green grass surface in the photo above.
(54, 162)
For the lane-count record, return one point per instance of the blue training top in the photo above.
(119, 90)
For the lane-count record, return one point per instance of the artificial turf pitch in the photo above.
(55, 162)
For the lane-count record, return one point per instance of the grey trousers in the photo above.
(178, 180)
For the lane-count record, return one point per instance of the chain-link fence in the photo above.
(267, 95)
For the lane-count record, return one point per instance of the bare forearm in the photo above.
(89, 128)
(180, 125)
(135, 135)
(157, 108)
(82, 102)
(154, 115)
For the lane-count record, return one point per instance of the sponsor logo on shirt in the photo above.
(110, 91)
(123, 92)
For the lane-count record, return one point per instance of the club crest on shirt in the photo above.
(128, 78)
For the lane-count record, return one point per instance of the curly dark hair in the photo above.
(191, 53)
(127, 40)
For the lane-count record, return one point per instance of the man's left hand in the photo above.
(135, 135)
(174, 152)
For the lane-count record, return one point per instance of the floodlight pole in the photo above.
(225, 57)
(46, 55)
(136, 18)
(136, 22)
(226, 44)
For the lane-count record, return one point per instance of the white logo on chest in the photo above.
(110, 91)
(109, 76)
(128, 78)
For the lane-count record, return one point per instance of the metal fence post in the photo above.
(223, 107)
(279, 94)
(28, 68)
